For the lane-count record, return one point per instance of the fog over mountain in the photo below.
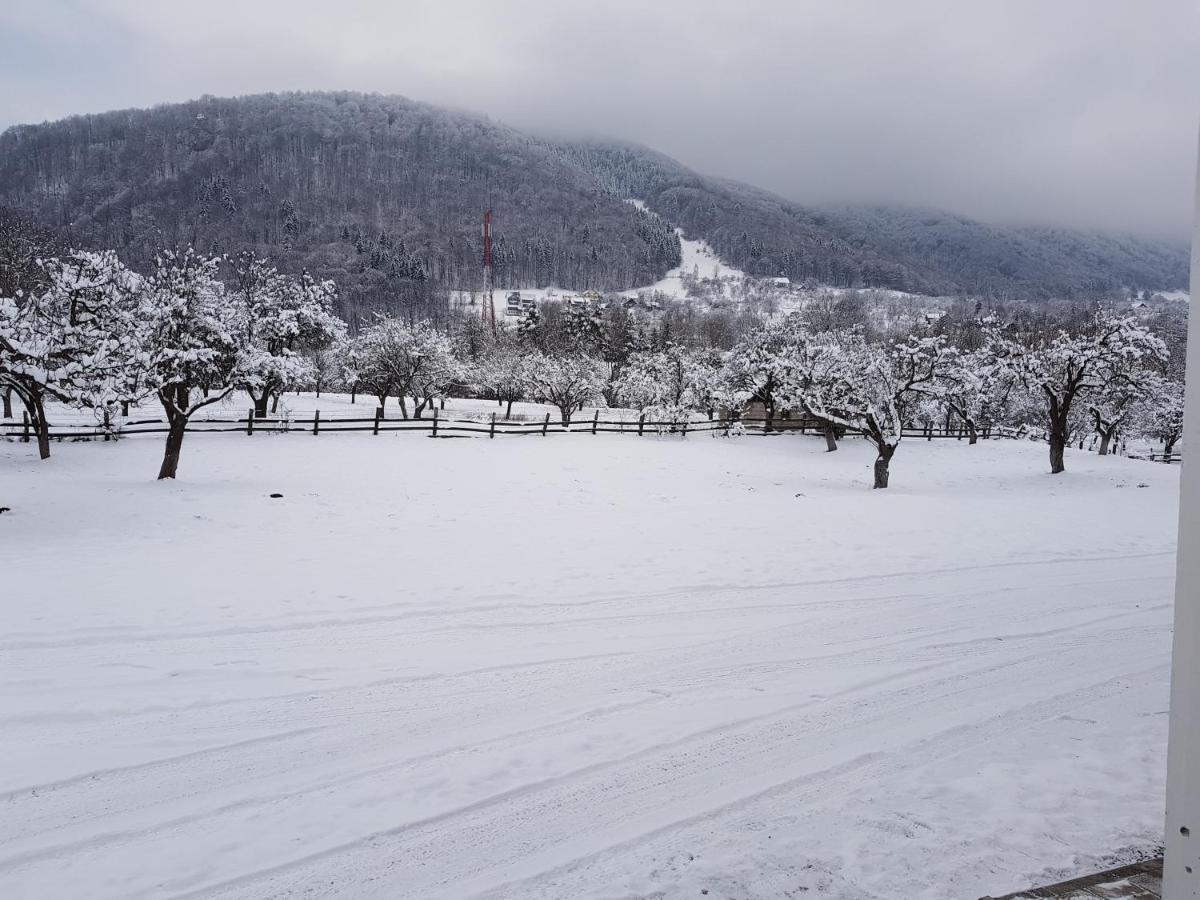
(1078, 113)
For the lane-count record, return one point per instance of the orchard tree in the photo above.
(1159, 412)
(566, 382)
(402, 360)
(668, 384)
(196, 342)
(348, 363)
(972, 386)
(754, 367)
(503, 374)
(285, 318)
(73, 339)
(322, 367)
(864, 387)
(1070, 370)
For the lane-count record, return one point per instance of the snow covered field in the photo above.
(593, 667)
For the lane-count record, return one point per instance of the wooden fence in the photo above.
(435, 425)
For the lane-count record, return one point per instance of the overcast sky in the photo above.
(1077, 112)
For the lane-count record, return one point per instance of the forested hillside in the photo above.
(384, 195)
(381, 193)
(922, 251)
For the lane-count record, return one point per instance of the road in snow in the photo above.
(576, 667)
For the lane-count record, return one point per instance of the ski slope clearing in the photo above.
(585, 667)
(696, 259)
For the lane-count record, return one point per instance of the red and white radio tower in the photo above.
(489, 303)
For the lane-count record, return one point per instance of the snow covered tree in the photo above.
(196, 342)
(566, 382)
(1159, 412)
(348, 357)
(970, 385)
(754, 367)
(73, 339)
(322, 367)
(669, 384)
(1067, 370)
(863, 387)
(402, 360)
(285, 317)
(503, 374)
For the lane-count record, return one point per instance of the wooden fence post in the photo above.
(641, 423)
(378, 416)
(683, 433)
(545, 425)
(316, 421)
(595, 421)
(25, 427)
(250, 421)
(492, 429)
(435, 421)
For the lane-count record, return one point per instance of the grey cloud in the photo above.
(1076, 112)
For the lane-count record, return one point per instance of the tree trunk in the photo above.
(972, 431)
(830, 437)
(8, 403)
(170, 463)
(1058, 447)
(260, 405)
(1105, 441)
(403, 406)
(353, 392)
(882, 463)
(508, 411)
(565, 414)
(173, 404)
(1169, 446)
(275, 404)
(37, 414)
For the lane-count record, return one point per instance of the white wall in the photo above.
(1182, 868)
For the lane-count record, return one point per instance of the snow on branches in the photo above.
(669, 385)
(285, 319)
(1102, 366)
(74, 340)
(393, 358)
(566, 382)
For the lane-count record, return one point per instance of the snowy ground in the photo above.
(590, 667)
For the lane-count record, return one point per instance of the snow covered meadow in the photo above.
(585, 667)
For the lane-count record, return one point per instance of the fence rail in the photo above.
(438, 427)
(435, 425)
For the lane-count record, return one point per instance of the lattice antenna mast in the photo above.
(489, 302)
